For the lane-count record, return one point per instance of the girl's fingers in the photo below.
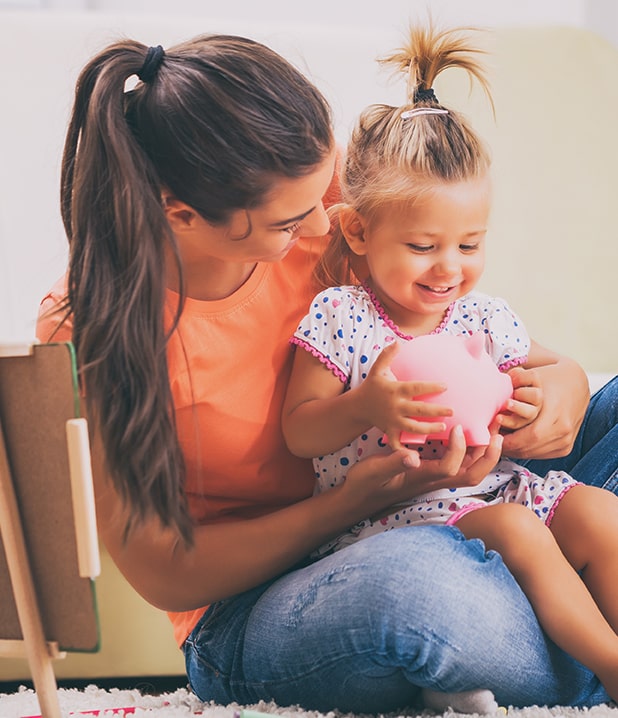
(423, 427)
(394, 441)
(423, 388)
(425, 408)
(382, 364)
(522, 409)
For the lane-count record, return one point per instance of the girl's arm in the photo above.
(557, 386)
(319, 417)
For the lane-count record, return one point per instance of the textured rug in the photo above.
(94, 701)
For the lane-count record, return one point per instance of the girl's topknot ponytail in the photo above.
(428, 52)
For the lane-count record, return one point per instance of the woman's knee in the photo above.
(601, 416)
(425, 571)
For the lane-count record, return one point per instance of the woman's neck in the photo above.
(211, 281)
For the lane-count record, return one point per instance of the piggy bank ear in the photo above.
(475, 345)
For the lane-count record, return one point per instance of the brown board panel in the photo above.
(38, 394)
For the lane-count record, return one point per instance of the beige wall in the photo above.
(552, 249)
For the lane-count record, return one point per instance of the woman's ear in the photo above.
(353, 228)
(181, 216)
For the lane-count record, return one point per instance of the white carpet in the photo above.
(94, 701)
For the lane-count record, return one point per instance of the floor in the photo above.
(147, 685)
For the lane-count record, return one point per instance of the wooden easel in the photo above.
(48, 549)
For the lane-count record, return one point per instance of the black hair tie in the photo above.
(151, 65)
(425, 95)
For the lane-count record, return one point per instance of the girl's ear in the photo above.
(181, 216)
(353, 228)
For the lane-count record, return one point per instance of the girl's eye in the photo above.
(292, 228)
(468, 247)
(421, 248)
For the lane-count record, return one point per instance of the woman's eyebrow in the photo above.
(291, 220)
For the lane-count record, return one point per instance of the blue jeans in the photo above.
(364, 629)
(594, 458)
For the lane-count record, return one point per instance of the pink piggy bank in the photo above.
(476, 389)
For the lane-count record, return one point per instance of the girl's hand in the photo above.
(391, 405)
(565, 395)
(527, 400)
(385, 480)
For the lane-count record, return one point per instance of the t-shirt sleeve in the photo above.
(323, 330)
(53, 322)
(507, 338)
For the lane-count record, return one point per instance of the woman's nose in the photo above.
(316, 224)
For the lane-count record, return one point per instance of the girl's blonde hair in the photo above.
(397, 153)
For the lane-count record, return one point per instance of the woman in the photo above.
(194, 205)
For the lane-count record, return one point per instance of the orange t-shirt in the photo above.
(229, 362)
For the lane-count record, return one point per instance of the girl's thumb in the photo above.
(386, 356)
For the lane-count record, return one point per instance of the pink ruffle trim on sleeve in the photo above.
(561, 495)
(518, 361)
(325, 360)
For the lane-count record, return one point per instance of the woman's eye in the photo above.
(292, 228)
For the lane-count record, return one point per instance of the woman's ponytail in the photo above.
(117, 230)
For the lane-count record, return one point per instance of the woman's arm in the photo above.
(319, 417)
(564, 391)
(228, 558)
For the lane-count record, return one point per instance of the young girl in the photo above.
(416, 197)
(193, 204)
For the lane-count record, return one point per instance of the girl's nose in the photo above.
(447, 265)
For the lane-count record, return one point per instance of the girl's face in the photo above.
(423, 257)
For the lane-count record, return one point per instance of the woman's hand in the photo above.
(398, 477)
(392, 406)
(527, 400)
(565, 395)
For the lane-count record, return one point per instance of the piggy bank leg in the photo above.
(412, 439)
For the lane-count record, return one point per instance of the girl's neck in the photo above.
(422, 325)
(408, 323)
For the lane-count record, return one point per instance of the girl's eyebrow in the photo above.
(429, 233)
(291, 220)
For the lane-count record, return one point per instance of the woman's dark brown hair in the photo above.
(218, 119)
